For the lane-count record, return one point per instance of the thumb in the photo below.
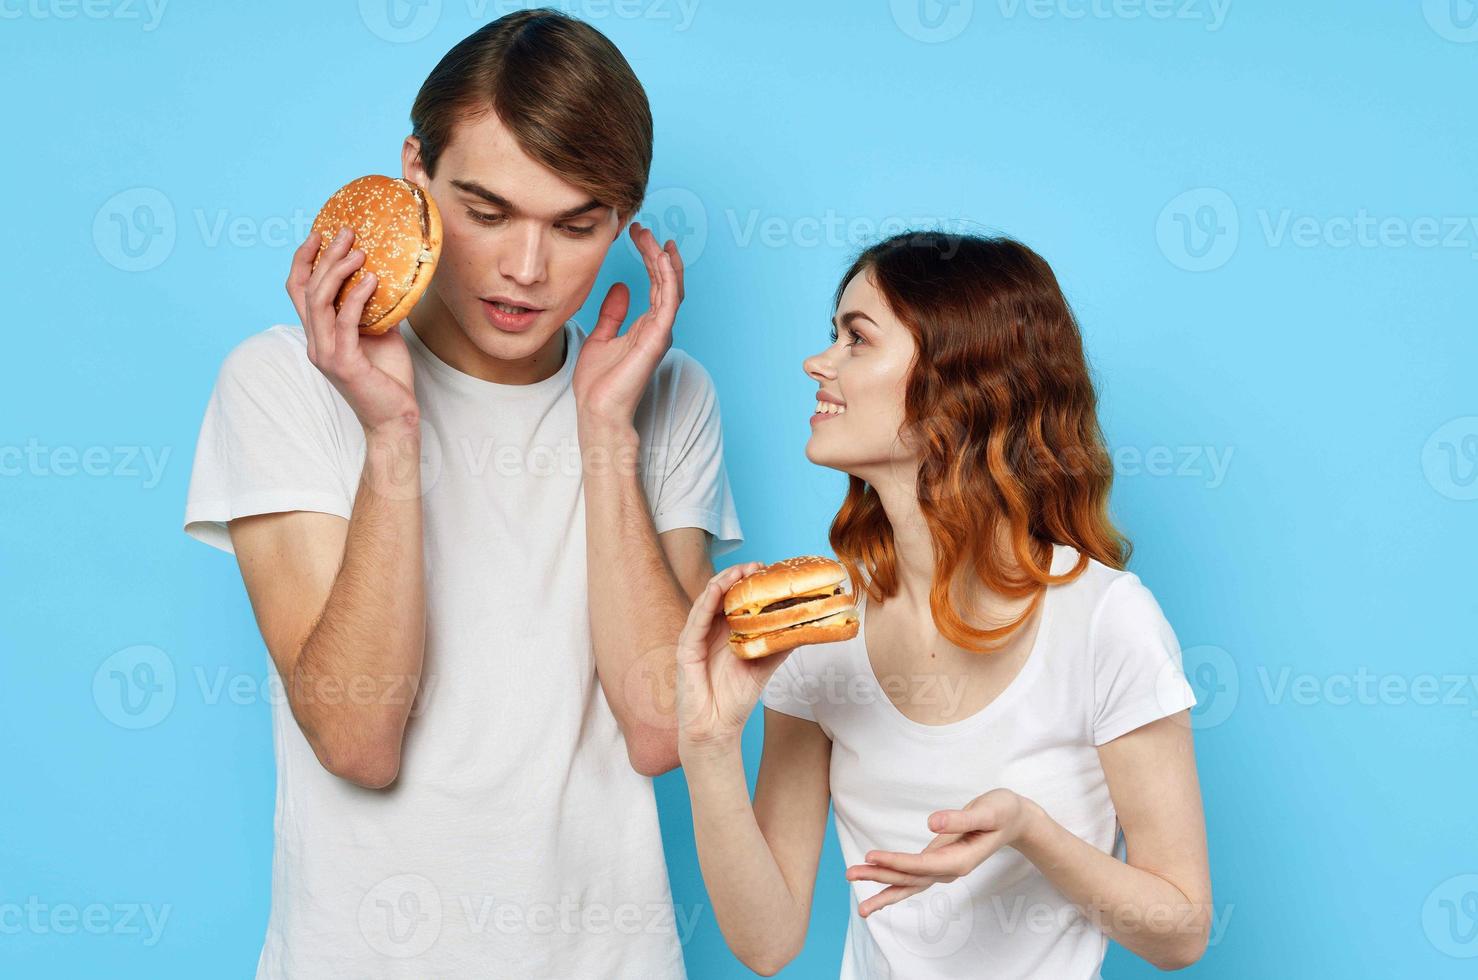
(612, 312)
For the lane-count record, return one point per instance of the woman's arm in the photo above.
(759, 862)
(1158, 904)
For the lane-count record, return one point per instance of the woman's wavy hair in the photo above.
(1003, 415)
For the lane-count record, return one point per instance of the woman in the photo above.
(1013, 697)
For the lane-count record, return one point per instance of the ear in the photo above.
(412, 167)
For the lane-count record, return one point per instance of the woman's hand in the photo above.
(716, 690)
(965, 839)
(372, 372)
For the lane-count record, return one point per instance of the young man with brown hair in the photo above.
(471, 543)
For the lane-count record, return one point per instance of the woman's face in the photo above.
(865, 369)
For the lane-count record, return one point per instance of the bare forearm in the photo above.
(756, 910)
(357, 674)
(637, 606)
(1140, 910)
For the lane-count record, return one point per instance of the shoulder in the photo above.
(275, 361)
(678, 399)
(680, 374)
(1108, 601)
(279, 348)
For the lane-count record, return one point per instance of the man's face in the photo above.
(513, 233)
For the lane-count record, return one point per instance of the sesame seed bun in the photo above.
(398, 227)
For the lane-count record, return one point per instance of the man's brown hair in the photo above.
(563, 89)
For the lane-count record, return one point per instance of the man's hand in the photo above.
(612, 371)
(373, 373)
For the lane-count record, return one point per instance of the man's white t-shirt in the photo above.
(1104, 662)
(517, 841)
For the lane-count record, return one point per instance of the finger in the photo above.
(612, 312)
(940, 840)
(346, 324)
(670, 297)
(887, 876)
(677, 264)
(338, 248)
(656, 327)
(961, 821)
(951, 859)
(336, 265)
(329, 305)
(646, 247)
(659, 266)
(888, 896)
(690, 647)
(299, 272)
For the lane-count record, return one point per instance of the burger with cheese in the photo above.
(789, 604)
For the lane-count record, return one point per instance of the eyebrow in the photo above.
(851, 316)
(499, 201)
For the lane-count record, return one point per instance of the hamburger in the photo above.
(397, 226)
(789, 604)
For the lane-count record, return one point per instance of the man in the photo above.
(471, 544)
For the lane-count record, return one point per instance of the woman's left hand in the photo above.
(966, 837)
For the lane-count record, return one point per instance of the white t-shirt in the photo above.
(518, 841)
(1104, 662)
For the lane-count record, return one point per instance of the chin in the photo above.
(820, 458)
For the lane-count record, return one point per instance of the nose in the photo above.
(819, 368)
(524, 258)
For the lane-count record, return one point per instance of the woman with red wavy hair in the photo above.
(1014, 699)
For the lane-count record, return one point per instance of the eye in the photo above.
(856, 337)
(580, 231)
(483, 216)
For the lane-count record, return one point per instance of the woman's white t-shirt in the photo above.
(1105, 662)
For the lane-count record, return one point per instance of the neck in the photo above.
(913, 548)
(434, 324)
(897, 488)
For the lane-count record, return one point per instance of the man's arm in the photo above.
(641, 588)
(341, 606)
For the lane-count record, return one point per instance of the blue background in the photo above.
(1163, 165)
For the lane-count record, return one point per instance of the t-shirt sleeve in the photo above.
(268, 442)
(694, 489)
(788, 691)
(1137, 674)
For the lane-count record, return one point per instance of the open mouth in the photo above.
(509, 316)
(827, 410)
(511, 308)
